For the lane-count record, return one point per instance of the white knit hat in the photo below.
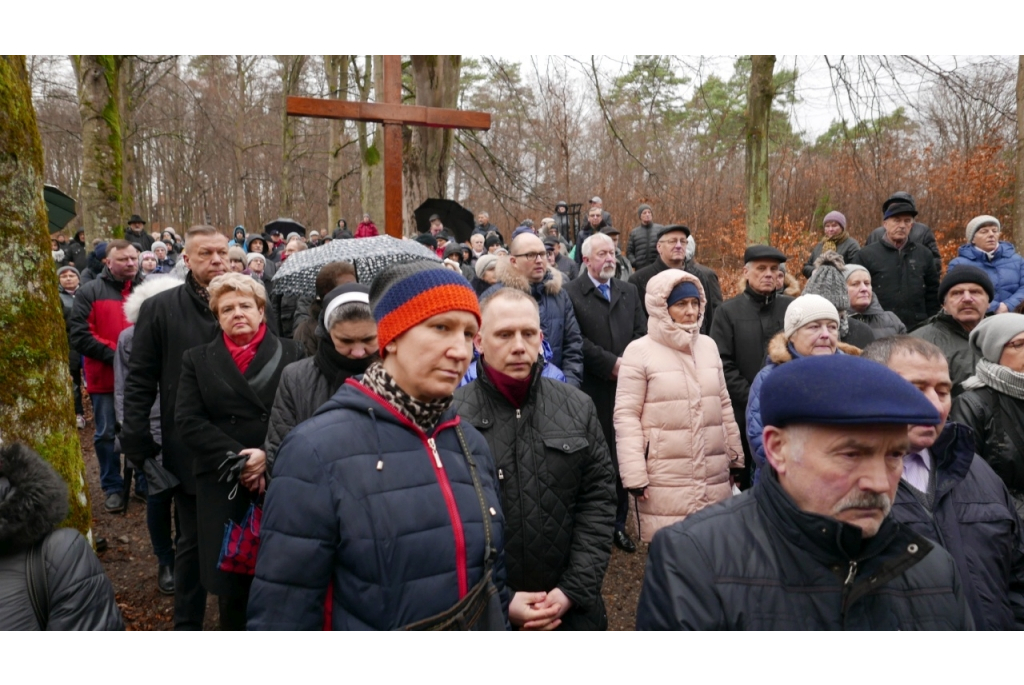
(977, 222)
(805, 309)
(255, 255)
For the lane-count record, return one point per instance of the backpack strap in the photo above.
(38, 589)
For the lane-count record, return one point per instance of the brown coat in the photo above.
(675, 429)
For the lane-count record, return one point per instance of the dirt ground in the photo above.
(131, 566)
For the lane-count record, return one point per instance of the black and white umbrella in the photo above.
(297, 275)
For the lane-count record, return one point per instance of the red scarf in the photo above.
(514, 390)
(244, 354)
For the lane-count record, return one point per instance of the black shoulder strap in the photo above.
(485, 511)
(38, 590)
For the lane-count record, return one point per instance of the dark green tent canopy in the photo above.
(60, 208)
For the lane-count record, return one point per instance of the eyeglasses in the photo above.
(1014, 345)
(531, 256)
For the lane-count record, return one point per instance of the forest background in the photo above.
(204, 139)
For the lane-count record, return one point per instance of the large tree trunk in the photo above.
(760, 95)
(242, 66)
(291, 74)
(336, 67)
(1018, 210)
(103, 201)
(371, 146)
(428, 151)
(36, 405)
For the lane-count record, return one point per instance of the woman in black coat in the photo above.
(227, 389)
(346, 345)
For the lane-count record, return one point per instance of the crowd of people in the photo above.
(458, 443)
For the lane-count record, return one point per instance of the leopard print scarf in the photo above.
(425, 415)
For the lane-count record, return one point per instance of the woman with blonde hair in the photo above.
(222, 410)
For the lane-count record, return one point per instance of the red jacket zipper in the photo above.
(442, 479)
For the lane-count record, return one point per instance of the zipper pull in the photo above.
(433, 449)
(518, 415)
(501, 475)
(852, 574)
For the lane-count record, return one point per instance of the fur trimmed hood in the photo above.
(154, 284)
(778, 349)
(33, 498)
(509, 277)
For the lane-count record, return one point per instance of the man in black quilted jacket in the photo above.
(558, 489)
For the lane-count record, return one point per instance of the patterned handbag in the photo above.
(241, 543)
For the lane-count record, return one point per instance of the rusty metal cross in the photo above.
(393, 115)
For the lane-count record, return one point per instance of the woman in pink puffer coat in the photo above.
(675, 429)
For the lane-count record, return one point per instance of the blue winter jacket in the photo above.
(973, 517)
(779, 352)
(1005, 268)
(362, 502)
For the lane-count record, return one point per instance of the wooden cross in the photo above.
(393, 114)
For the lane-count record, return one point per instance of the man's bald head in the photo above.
(528, 257)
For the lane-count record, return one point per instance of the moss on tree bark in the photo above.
(36, 405)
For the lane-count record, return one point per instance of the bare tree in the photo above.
(36, 406)
(1018, 229)
(291, 67)
(337, 70)
(104, 196)
(760, 95)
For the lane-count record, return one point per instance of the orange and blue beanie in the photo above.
(408, 293)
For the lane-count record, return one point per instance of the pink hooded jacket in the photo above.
(675, 429)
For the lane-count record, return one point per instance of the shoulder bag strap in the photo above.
(485, 511)
(38, 590)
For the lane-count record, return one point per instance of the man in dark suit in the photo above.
(610, 317)
(169, 324)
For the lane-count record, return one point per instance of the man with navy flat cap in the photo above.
(812, 546)
(742, 327)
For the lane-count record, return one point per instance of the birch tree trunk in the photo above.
(760, 94)
(103, 199)
(36, 405)
(428, 150)
(336, 67)
(1018, 207)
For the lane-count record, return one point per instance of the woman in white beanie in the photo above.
(864, 305)
(811, 328)
(995, 257)
(992, 403)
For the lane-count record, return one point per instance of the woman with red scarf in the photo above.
(223, 408)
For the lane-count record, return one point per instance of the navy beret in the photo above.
(755, 252)
(841, 389)
(673, 227)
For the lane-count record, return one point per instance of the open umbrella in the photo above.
(60, 208)
(456, 219)
(286, 226)
(297, 275)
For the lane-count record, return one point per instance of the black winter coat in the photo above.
(920, 234)
(707, 277)
(33, 502)
(905, 281)
(945, 332)
(998, 424)
(859, 335)
(642, 245)
(882, 323)
(973, 517)
(756, 562)
(170, 323)
(282, 309)
(742, 329)
(142, 241)
(847, 249)
(220, 410)
(67, 303)
(77, 254)
(362, 502)
(557, 490)
(607, 329)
